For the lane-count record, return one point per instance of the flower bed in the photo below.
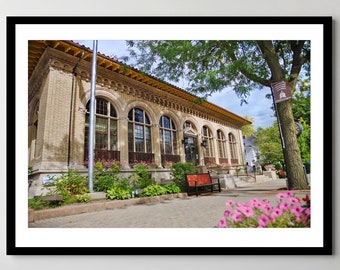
(288, 213)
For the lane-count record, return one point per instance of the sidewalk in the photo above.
(179, 211)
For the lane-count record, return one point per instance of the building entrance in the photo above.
(191, 150)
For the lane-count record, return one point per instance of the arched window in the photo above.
(139, 136)
(105, 136)
(167, 136)
(232, 144)
(168, 140)
(207, 140)
(222, 147)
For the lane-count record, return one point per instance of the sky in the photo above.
(258, 106)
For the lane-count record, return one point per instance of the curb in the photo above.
(96, 205)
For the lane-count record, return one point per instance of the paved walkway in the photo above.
(203, 211)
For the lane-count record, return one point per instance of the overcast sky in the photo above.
(258, 106)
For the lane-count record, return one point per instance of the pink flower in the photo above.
(293, 200)
(227, 213)
(281, 195)
(283, 206)
(289, 193)
(222, 223)
(229, 203)
(276, 212)
(247, 211)
(263, 220)
(286, 213)
(297, 218)
(241, 204)
(267, 208)
(258, 205)
(237, 217)
(254, 202)
(307, 211)
(296, 210)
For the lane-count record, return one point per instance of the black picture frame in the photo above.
(13, 216)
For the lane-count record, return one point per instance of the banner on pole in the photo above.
(281, 91)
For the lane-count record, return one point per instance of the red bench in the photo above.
(199, 183)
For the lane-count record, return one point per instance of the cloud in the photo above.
(258, 107)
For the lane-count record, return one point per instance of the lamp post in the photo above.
(92, 115)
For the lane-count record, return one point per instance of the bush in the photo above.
(106, 174)
(104, 181)
(172, 188)
(154, 190)
(178, 171)
(117, 193)
(142, 176)
(69, 184)
(37, 203)
(83, 198)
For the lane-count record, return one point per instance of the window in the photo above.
(232, 144)
(222, 144)
(105, 136)
(167, 136)
(139, 131)
(208, 139)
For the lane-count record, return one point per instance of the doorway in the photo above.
(191, 150)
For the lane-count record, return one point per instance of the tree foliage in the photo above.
(269, 143)
(248, 129)
(304, 141)
(212, 65)
(301, 101)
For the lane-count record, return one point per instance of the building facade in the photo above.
(251, 153)
(137, 117)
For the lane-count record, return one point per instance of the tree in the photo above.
(269, 144)
(248, 129)
(301, 101)
(212, 65)
(301, 113)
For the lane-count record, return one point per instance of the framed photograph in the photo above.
(61, 77)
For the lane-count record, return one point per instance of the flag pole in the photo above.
(92, 116)
(278, 120)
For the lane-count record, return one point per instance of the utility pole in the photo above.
(92, 115)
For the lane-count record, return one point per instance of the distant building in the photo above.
(137, 117)
(251, 152)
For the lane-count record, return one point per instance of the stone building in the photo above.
(137, 117)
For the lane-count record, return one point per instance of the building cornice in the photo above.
(180, 99)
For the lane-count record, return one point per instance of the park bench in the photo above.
(201, 182)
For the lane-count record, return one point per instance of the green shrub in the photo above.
(172, 188)
(142, 176)
(153, 190)
(37, 203)
(104, 181)
(178, 171)
(106, 175)
(118, 193)
(83, 198)
(68, 185)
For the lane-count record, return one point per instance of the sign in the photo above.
(281, 91)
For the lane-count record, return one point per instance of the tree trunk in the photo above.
(291, 151)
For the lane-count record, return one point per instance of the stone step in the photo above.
(232, 181)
